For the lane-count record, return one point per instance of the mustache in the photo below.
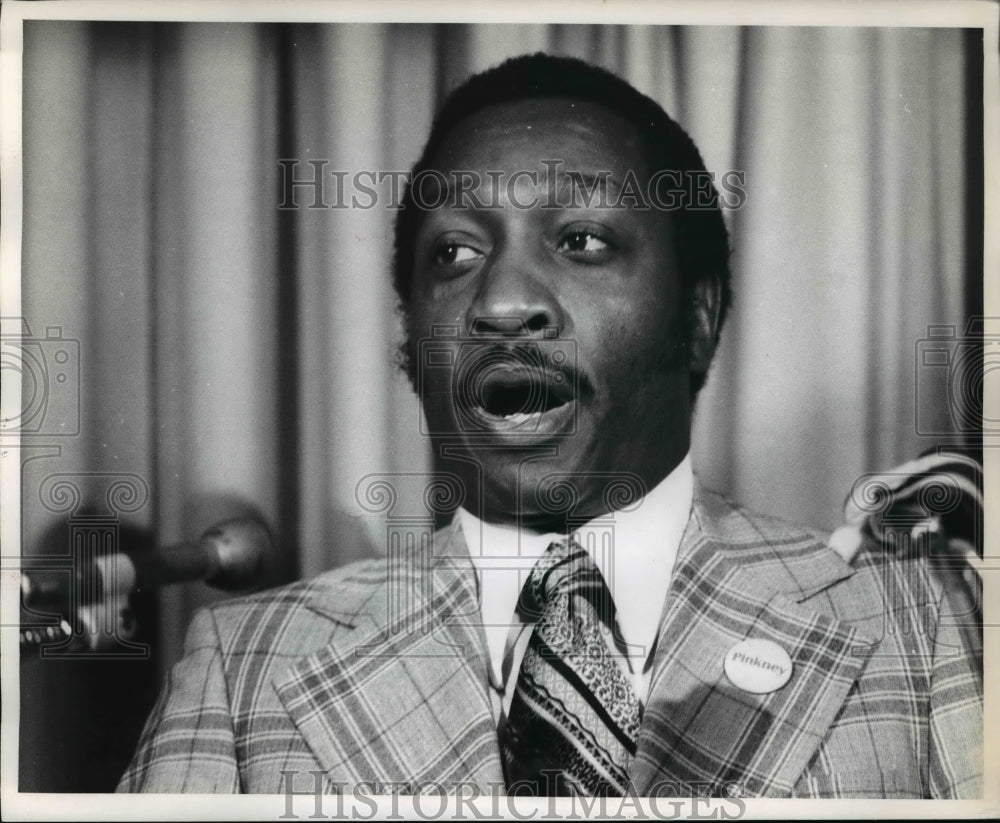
(543, 362)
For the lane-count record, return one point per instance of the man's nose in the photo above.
(514, 300)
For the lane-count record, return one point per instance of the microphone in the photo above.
(232, 556)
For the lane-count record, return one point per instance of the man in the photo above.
(591, 621)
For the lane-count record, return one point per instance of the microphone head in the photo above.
(242, 548)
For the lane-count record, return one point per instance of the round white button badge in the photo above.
(758, 666)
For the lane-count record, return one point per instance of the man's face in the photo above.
(570, 358)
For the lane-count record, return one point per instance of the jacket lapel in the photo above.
(399, 695)
(701, 734)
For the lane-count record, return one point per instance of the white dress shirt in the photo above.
(634, 549)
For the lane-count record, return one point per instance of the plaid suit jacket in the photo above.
(377, 673)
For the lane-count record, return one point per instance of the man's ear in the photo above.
(705, 301)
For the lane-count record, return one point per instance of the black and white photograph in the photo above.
(532, 411)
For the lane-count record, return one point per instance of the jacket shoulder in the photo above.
(724, 519)
(297, 617)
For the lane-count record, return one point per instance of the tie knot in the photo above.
(565, 569)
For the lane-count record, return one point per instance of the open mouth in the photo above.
(508, 396)
(517, 397)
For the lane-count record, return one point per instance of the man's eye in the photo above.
(582, 241)
(451, 253)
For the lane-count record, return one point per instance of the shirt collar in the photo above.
(635, 550)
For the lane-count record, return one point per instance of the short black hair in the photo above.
(701, 241)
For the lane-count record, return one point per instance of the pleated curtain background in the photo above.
(240, 358)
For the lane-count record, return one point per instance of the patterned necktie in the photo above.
(574, 715)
